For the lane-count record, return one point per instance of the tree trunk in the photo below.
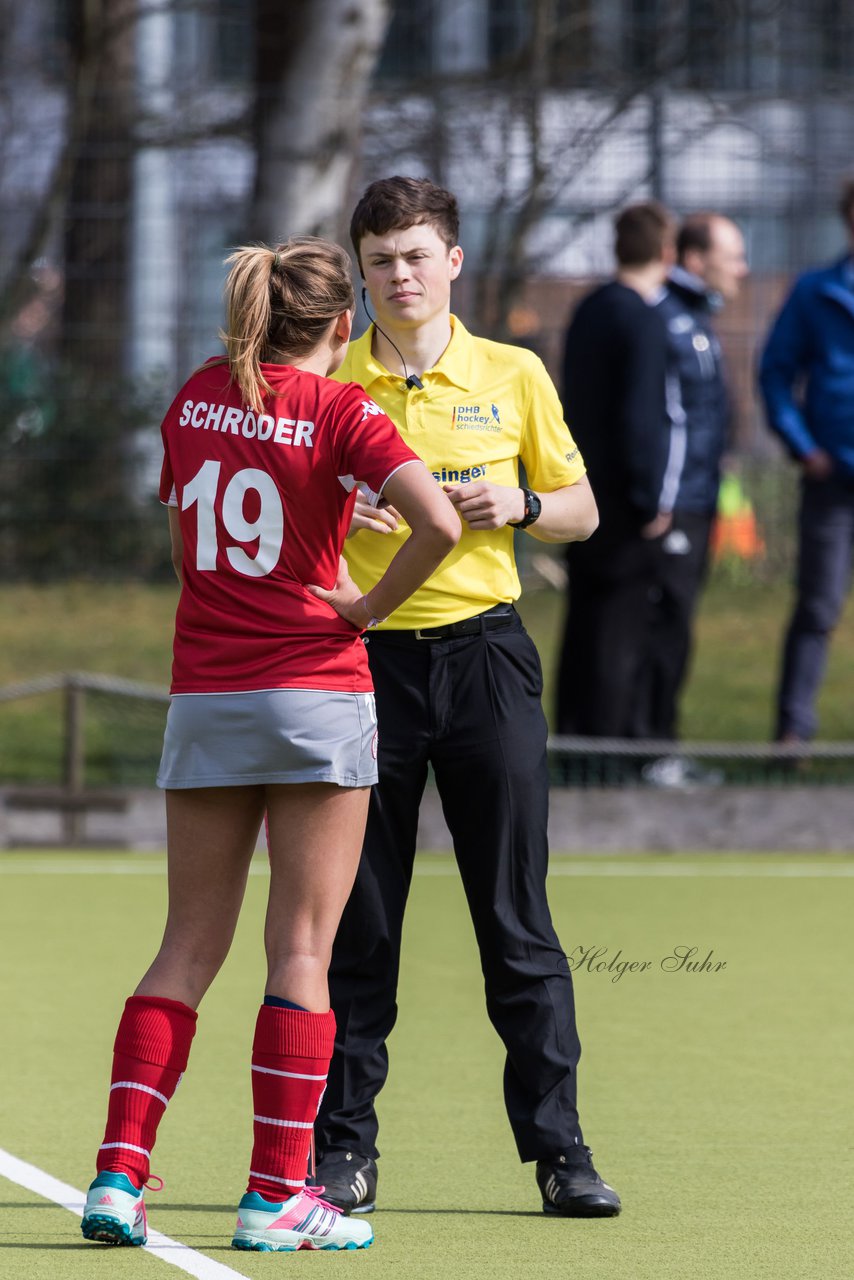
(314, 60)
(99, 196)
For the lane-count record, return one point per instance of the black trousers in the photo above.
(471, 707)
(682, 559)
(604, 640)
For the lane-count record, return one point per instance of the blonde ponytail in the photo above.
(279, 305)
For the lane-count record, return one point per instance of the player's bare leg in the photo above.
(315, 833)
(315, 836)
(211, 833)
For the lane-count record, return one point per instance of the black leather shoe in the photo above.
(349, 1181)
(572, 1188)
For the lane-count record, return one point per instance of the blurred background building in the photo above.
(141, 139)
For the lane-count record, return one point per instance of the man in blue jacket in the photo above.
(807, 381)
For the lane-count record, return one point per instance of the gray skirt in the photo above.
(269, 736)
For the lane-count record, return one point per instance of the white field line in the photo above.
(677, 870)
(171, 1251)
(593, 868)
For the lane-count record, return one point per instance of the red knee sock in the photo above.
(149, 1057)
(290, 1062)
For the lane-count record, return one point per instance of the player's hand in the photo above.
(658, 527)
(345, 597)
(484, 505)
(381, 519)
(817, 465)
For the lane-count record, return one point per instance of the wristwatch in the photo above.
(533, 507)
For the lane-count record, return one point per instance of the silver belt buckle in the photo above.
(419, 634)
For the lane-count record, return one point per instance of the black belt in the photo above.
(499, 616)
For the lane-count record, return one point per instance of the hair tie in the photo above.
(276, 262)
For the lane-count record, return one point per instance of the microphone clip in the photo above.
(414, 381)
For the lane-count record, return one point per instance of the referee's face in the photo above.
(408, 274)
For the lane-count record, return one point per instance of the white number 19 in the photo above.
(268, 528)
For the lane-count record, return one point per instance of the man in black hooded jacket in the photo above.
(614, 400)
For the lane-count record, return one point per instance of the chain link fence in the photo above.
(545, 116)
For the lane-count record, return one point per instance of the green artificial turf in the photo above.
(717, 1102)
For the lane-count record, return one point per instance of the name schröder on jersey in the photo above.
(245, 422)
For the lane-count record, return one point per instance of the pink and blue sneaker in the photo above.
(115, 1211)
(305, 1221)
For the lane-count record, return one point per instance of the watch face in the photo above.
(533, 507)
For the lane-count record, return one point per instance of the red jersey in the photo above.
(265, 502)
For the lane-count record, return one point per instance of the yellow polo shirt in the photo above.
(484, 406)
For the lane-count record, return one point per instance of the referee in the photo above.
(458, 686)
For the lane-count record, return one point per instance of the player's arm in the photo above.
(177, 542)
(434, 531)
(382, 518)
(568, 514)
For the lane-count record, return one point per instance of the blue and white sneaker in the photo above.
(115, 1211)
(302, 1222)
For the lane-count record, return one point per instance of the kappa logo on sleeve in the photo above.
(370, 409)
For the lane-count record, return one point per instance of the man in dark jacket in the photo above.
(811, 346)
(710, 267)
(614, 400)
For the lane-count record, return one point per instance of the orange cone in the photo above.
(735, 531)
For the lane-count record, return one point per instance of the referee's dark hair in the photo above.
(642, 234)
(395, 204)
